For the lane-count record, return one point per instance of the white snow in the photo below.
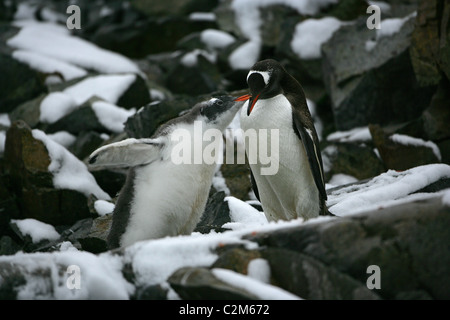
(216, 39)
(446, 197)
(310, 34)
(107, 87)
(386, 189)
(259, 269)
(55, 106)
(190, 59)
(37, 230)
(411, 141)
(4, 120)
(2, 141)
(245, 56)
(154, 261)
(103, 207)
(243, 215)
(359, 134)
(69, 172)
(261, 290)
(248, 17)
(64, 138)
(111, 116)
(341, 179)
(46, 64)
(202, 16)
(55, 42)
(219, 183)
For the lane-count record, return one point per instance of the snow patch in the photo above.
(354, 135)
(55, 42)
(37, 230)
(111, 116)
(103, 207)
(310, 34)
(68, 171)
(216, 39)
(245, 56)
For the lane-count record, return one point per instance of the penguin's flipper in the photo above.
(126, 153)
(313, 154)
(254, 186)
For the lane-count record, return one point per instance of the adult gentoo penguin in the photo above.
(164, 196)
(277, 101)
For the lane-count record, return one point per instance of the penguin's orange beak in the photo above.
(247, 97)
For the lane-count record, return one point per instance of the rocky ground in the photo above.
(379, 98)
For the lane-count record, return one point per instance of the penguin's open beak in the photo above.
(251, 103)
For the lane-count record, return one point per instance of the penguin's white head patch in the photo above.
(265, 74)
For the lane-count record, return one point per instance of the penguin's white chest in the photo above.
(288, 192)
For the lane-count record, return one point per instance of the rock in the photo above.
(357, 160)
(151, 292)
(369, 88)
(199, 284)
(216, 214)
(111, 181)
(347, 10)
(407, 242)
(430, 45)
(86, 143)
(26, 165)
(173, 7)
(313, 280)
(7, 10)
(8, 246)
(95, 240)
(203, 77)
(400, 156)
(29, 111)
(144, 123)
(19, 83)
(236, 259)
(136, 95)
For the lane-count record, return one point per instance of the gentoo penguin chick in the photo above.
(277, 101)
(168, 181)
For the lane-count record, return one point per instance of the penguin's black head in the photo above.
(264, 81)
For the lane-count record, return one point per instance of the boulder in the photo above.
(19, 83)
(366, 83)
(430, 44)
(27, 163)
(400, 154)
(357, 160)
(407, 242)
(199, 283)
(173, 7)
(216, 214)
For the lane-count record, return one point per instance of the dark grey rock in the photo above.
(357, 160)
(26, 165)
(202, 78)
(110, 181)
(151, 292)
(200, 284)
(8, 246)
(144, 123)
(216, 214)
(370, 88)
(408, 242)
(311, 279)
(173, 7)
(400, 156)
(18, 83)
(95, 240)
(86, 143)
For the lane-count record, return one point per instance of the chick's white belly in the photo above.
(169, 200)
